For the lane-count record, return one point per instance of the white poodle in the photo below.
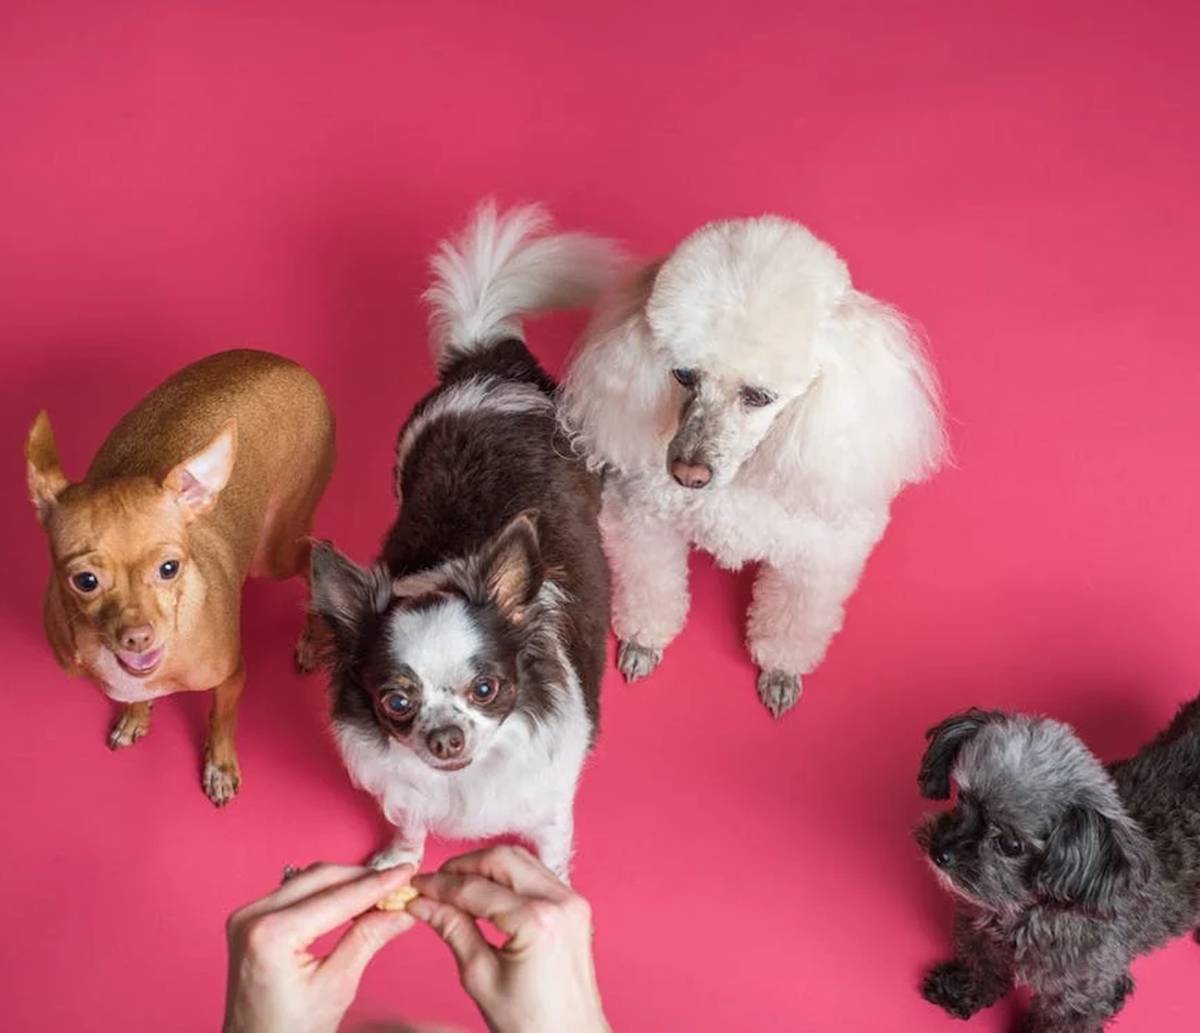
(743, 397)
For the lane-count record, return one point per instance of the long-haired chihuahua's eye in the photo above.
(85, 581)
(756, 397)
(686, 377)
(483, 690)
(1010, 846)
(397, 703)
(168, 570)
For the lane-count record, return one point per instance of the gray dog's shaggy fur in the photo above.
(1063, 870)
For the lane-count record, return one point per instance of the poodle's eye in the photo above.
(687, 377)
(1010, 846)
(756, 397)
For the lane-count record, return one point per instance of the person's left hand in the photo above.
(274, 982)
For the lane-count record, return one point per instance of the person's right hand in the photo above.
(542, 980)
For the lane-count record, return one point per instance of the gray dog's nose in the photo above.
(689, 475)
(446, 743)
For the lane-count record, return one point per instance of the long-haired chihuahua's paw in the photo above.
(636, 661)
(953, 988)
(393, 856)
(779, 691)
(132, 723)
(221, 781)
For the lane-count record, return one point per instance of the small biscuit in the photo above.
(398, 900)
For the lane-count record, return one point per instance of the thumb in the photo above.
(458, 929)
(362, 941)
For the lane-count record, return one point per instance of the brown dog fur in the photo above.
(218, 469)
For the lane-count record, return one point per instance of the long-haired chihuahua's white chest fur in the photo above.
(742, 397)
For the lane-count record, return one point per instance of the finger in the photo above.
(460, 932)
(362, 941)
(477, 896)
(511, 866)
(327, 909)
(312, 879)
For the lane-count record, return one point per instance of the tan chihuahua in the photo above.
(211, 479)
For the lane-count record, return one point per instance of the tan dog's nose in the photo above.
(691, 476)
(137, 639)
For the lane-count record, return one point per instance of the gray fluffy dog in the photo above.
(1063, 870)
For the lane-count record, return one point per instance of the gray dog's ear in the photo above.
(1092, 860)
(945, 740)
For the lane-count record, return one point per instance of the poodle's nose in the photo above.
(446, 743)
(689, 475)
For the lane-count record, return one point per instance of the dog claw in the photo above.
(221, 782)
(779, 691)
(635, 661)
(130, 726)
(393, 857)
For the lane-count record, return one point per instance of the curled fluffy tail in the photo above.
(503, 266)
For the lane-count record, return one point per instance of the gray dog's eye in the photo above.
(1010, 846)
(686, 377)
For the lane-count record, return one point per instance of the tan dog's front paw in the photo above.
(221, 781)
(132, 723)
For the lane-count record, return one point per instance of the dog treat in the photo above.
(399, 899)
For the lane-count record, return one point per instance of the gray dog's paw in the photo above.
(635, 661)
(779, 691)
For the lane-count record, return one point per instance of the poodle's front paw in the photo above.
(636, 661)
(395, 855)
(779, 691)
(954, 989)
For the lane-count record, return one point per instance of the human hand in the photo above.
(542, 980)
(274, 982)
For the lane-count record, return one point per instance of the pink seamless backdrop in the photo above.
(1020, 178)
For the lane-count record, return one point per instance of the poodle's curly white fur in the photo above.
(807, 405)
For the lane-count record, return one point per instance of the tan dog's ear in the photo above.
(43, 470)
(199, 480)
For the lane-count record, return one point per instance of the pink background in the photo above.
(180, 178)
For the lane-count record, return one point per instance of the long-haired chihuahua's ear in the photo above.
(617, 401)
(43, 470)
(871, 420)
(512, 566)
(1092, 860)
(344, 594)
(945, 741)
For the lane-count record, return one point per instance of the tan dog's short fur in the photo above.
(212, 478)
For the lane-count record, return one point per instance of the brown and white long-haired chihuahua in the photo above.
(468, 659)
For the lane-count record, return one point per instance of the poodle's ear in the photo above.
(945, 742)
(872, 420)
(1092, 860)
(616, 399)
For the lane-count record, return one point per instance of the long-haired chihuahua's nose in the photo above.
(138, 638)
(691, 475)
(446, 743)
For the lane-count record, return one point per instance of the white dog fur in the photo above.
(802, 485)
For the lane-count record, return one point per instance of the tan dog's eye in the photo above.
(85, 581)
(168, 570)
